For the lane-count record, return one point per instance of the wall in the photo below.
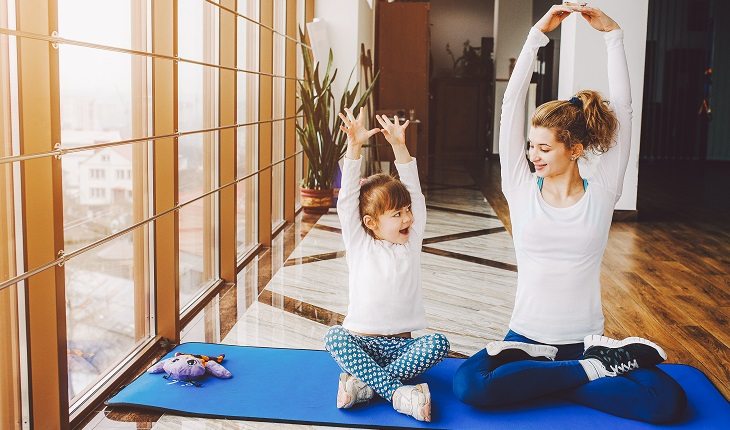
(512, 22)
(539, 8)
(583, 65)
(366, 29)
(348, 23)
(453, 22)
(718, 147)
(677, 54)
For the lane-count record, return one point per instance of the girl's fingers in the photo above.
(377, 117)
(359, 115)
(373, 132)
(344, 119)
(349, 114)
(386, 120)
(396, 121)
(342, 127)
(405, 124)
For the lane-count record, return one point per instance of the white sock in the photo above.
(594, 369)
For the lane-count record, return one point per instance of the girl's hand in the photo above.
(394, 133)
(552, 19)
(597, 18)
(357, 135)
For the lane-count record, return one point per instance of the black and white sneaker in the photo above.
(621, 356)
(514, 351)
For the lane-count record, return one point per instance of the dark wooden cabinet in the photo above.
(461, 115)
(402, 57)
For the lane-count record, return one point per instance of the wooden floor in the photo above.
(666, 276)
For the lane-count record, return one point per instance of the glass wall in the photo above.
(301, 24)
(247, 108)
(108, 159)
(197, 155)
(104, 98)
(277, 138)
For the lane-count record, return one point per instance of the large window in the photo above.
(247, 136)
(301, 22)
(197, 155)
(277, 138)
(128, 151)
(104, 98)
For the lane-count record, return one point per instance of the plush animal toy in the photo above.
(190, 367)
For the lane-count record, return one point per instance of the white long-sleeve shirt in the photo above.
(384, 278)
(559, 250)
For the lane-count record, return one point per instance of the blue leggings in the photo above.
(643, 394)
(383, 362)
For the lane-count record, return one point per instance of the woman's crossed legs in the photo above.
(645, 394)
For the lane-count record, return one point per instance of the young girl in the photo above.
(560, 225)
(383, 220)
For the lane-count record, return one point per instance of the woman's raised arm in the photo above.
(611, 169)
(515, 170)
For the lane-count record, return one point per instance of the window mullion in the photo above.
(41, 194)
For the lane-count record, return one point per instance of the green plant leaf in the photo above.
(319, 131)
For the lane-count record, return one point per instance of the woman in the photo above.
(560, 225)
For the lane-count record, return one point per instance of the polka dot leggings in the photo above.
(383, 362)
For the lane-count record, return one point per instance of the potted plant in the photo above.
(319, 133)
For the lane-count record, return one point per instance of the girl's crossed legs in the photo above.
(383, 362)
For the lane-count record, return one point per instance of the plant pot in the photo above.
(316, 202)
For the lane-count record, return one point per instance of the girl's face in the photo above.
(393, 226)
(549, 156)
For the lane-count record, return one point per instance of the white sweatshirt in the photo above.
(385, 278)
(559, 250)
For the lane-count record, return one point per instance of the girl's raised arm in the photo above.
(348, 201)
(394, 133)
(348, 204)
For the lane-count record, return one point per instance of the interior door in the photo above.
(402, 55)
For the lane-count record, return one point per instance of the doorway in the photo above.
(436, 66)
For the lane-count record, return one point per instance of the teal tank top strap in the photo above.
(540, 180)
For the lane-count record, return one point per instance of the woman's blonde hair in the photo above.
(379, 194)
(584, 119)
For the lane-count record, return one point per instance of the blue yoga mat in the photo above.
(300, 386)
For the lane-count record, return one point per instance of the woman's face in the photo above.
(549, 156)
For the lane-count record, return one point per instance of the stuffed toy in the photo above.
(190, 367)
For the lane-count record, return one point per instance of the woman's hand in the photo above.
(596, 18)
(355, 128)
(552, 19)
(393, 132)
